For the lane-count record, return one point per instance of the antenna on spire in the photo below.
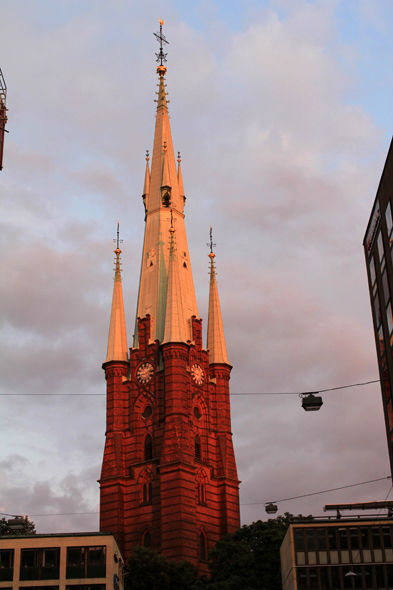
(210, 244)
(117, 240)
(147, 155)
(161, 56)
(178, 157)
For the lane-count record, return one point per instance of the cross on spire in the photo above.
(117, 240)
(161, 56)
(210, 244)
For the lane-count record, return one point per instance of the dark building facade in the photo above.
(378, 250)
(319, 554)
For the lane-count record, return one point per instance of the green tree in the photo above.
(149, 570)
(249, 558)
(28, 528)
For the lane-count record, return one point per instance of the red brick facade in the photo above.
(169, 474)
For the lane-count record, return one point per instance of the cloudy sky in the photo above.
(282, 112)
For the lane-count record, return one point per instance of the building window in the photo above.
(198, 455)
(40, 564)
(6, 565)
(373, 276)
(389, 221)
(377, 310)
(84, 587)
(146, 540)
(322, 545)
(387, 539)
(147, 493)
(381, 251)
(86, 562)
(202, 546)
(148, 448)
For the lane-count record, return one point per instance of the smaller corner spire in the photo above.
(180, 178)
(146, 186)
(215, 328)
(117, 341)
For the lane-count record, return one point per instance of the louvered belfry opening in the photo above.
(197, 448)
(148, 448)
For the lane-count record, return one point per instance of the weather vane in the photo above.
(161, 57)
(118, 241)
(210, 244)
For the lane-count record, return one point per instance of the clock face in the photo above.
(145, 373)
(197, 374)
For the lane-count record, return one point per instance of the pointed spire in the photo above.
(180, 179)
(117, 341)
(215, 329)
(164, 197)
(146, 186)
(174, 322)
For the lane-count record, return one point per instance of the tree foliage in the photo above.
(249, 558)
(148, 570)
(28, 528)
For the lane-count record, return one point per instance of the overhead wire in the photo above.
(316, 493)
(236, 393)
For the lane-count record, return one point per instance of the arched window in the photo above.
(202, 546)
(146, 539)
(198, 448)
(148, 448)
(201, 486)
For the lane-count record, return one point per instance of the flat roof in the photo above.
(51, 535)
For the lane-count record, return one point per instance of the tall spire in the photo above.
(117, 341)
(215, 329)
(164, 201)
(174, 325)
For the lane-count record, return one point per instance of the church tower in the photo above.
(169, 478)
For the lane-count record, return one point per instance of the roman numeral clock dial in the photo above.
(145, 373)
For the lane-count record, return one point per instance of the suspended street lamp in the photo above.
(311, 402)
(271, 508)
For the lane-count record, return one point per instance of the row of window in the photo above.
(332, 538)
(148, 448)
(146, 477)
(378, 577)
(43, 564)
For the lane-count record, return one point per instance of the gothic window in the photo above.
(148, 448)
(201, 486)
(202, 546)
(198, 455)
(146, 539)
(166, 199)
(147, 493)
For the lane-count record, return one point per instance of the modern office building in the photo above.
(77, 561)
(321, 554)
(378, 250)
(169, 478)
